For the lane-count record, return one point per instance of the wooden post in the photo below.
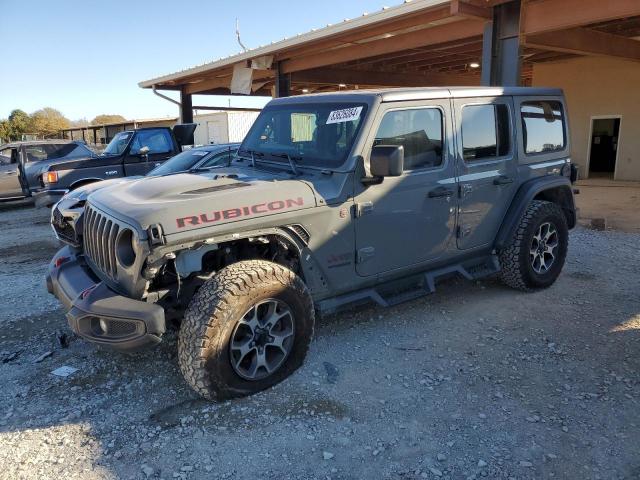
(186, 107)
(283, 82)
(501, 46)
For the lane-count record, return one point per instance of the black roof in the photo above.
(48, 141)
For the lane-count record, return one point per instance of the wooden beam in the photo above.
(205, 85)
(335, 76)
(224, 81)
(468, 10)
(402, 23)
(549, 15)
(583, 41)
(419, 38)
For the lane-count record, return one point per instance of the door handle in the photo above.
(440, 192)
(503, 180)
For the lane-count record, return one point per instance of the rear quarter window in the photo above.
(543, 127)
(51, 151)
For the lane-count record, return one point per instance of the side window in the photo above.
(419, 131)
(5, 156)
(218, 159)
(542, 126)
(158, 141)
(485, 131)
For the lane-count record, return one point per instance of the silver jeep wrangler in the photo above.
(333, 200)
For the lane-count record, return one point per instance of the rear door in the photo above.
(10, 186)
(487, 167)
(161, 148)
(409, 219)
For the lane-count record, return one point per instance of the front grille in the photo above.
(99, 239)
(64, 229)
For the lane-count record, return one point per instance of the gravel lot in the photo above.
(474, 381)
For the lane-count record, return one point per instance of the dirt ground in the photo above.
(474, 381)
(617, 202)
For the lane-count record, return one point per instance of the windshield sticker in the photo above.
(199, 154)
(345, 115)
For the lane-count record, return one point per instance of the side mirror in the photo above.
(144, 151)
(387, 160)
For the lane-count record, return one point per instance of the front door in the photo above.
(10, 186)
(409, 219)
(488, 167)
(160, 145)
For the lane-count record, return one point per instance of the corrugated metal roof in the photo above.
(387, 13)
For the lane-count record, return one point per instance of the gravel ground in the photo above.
(474, 381)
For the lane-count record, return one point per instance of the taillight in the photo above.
(52, 177)
(60, 260)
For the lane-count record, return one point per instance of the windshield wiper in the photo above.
(290, 159)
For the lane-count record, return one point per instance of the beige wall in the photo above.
(596, 86)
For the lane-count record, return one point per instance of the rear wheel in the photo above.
(246, 329)
(536, 253)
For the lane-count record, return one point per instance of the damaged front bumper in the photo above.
(97, 313)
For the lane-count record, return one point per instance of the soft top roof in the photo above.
(421, 93)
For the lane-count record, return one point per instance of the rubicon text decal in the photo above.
(239, 212)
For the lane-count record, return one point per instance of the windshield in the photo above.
(181, 162)
(118, 144)
(319, 134)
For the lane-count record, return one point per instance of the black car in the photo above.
(70, 208)
(130, 153)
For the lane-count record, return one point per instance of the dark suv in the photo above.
(22, 164)
(334, 200)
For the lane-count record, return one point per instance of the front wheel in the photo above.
(536, 253)
(246, 329)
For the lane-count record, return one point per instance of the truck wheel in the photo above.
(246, 329)
(538, 248)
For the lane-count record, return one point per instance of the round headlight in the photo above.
(124, 248)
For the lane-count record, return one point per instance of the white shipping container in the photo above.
(223, 127)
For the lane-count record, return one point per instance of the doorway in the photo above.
(603, 149)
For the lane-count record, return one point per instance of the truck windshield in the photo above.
(319, 135)
(118, 144)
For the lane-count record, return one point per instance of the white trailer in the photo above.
(223, 126)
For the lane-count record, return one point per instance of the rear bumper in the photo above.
(47, 198)
(97, 313)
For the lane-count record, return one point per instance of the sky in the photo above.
(86, 58)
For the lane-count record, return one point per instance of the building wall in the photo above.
(222, 127)
(598, 86)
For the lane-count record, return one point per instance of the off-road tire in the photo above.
(209, 322)
(516, 268)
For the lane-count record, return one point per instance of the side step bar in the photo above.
(425, 285)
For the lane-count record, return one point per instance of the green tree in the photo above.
(6, 132)
(20, 123)
(106, 118)
(48, 122)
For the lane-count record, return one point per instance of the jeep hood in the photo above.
(81, 193)
(189, 201)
